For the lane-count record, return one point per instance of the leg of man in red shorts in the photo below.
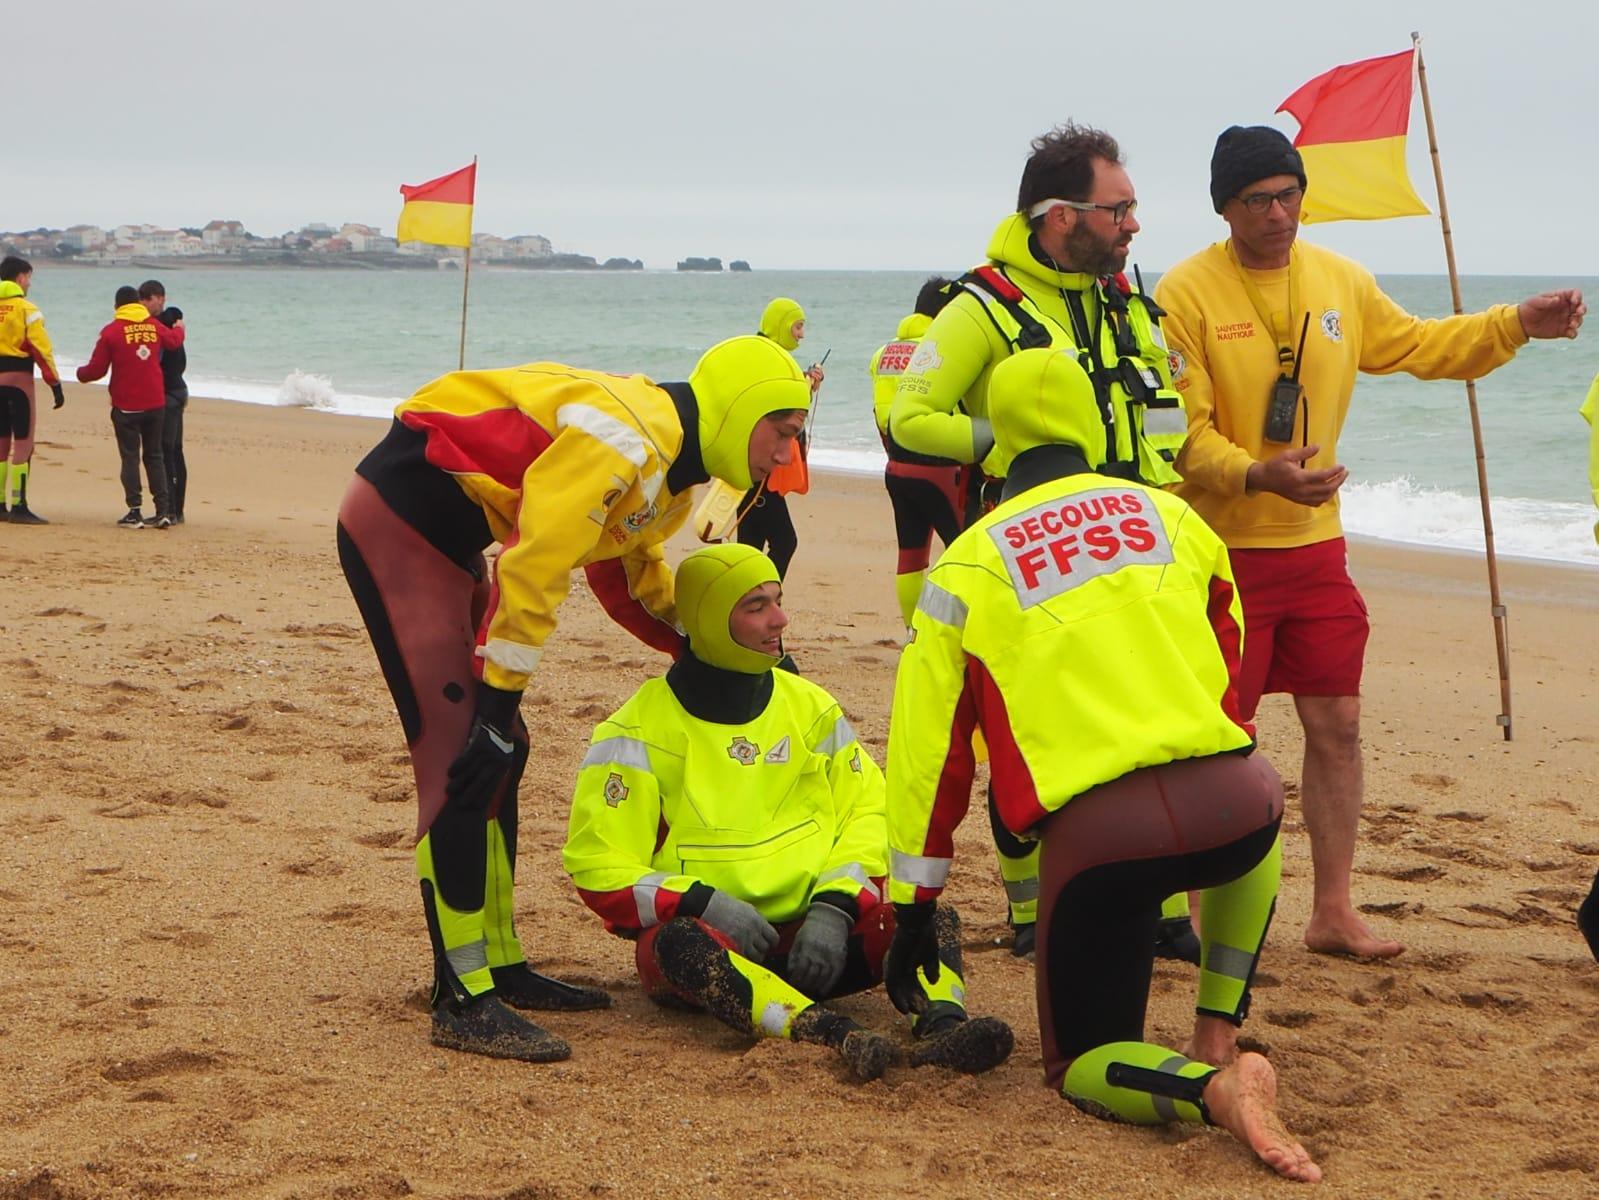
(1306, 635)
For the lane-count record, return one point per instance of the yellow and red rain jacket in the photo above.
(569, 467)
(1088, 626)
(23, 340)
(776, 810)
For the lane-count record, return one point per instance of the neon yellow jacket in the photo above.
(569, 467)
(1089, 627)
(1226, 363)
(889, 363)
(1590, 412)
(773, 811)
(941, 405)
(22, 333)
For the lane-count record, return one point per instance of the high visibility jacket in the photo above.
(1590, 413)
(889, 363)
(569, 467)
(1089, 627)
(941, 404)
(130, 348)
(775, 810)
(23, 339)
(1226, 360)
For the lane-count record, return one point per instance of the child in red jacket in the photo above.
(130, 346)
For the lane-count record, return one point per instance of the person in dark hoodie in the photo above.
(130, 347)
(729, 821)
(153, 295)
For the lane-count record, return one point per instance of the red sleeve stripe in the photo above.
(1015, 792)
(609, 582)
(1229, 639)
(38, 356)
(954, 793)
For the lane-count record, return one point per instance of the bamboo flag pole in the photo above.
(466, 275)
(1500, 615)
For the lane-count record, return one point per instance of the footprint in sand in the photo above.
(385, 840)
(168, 1062)
(1429, 779)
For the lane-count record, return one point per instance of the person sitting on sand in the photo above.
(1089, 627)
(729, 820)
(565, 468)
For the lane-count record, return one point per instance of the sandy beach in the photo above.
(215, 964)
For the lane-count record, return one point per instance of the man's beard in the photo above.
(1090, 254)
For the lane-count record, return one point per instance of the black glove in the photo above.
(915, 945)
(489, 753)
(61, 397)
(816, 959)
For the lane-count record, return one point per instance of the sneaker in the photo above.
(177, 518)
(162, 521)
(134, 520)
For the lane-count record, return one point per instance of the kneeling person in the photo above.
(1090, 628)
(728, 819)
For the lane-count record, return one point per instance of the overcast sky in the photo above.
(829, 134)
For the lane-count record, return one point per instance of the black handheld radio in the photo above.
(1282, 411)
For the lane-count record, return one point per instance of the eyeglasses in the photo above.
(1119, 211)
(1259, 202)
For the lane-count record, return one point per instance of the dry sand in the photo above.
(213, 951)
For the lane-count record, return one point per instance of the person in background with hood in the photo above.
(1590, 413)
(565, 468)
(1053, 278)
(1089, 627)
(23, 344)
(766, 523)
(728, 819)
(130, 348)
(928, 493)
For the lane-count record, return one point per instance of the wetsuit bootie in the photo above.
(485, 1026)
(20, 513)
(868, 1054)
(958, 1043)
(1175, 938)
(1024, 940)
(522, 987)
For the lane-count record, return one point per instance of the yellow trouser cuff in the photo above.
(465, 943)
(774, 1003)
(1233, 920)
(1139, 1083)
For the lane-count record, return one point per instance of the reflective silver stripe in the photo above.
(619, 751)
(512, 656)
(1021, 891)
(1169, 422)
(1165, 1106)
(602, 426)
(942, 606)
(851, 871)
(474, 956)
(1230, 961)
(838, 737)
(644, 898)
(923, 872)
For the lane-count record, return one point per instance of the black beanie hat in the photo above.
(1243, 155)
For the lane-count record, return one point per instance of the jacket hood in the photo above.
(10, 288)
(1043, 397)
(913, 326)
(710, 583)
(777, 322)
(1012, 246)
(736, 383)
(131, 312)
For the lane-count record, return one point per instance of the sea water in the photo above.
(357, 342)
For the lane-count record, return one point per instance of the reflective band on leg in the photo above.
(1022, 891)
(920, 870)
(1229, 961)
(644, 898)
(474, 956)
(1140, 1083)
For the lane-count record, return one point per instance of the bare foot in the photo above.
(1214, 1041)
(1242, 1099)
(1349, 935)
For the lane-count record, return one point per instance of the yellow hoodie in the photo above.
(23, 336)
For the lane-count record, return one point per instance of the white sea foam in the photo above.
(1401, 510)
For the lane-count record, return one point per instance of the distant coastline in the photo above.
(324, 261)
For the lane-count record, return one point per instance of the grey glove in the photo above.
(816, 959)
(751, 932)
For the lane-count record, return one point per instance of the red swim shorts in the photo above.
(1305, 623)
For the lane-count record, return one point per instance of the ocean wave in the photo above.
(1401, 510)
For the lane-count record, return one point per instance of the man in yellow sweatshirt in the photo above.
(1267, 335)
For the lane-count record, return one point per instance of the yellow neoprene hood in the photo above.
(710, 583)
(1044, 398)
(737, 382)
(777, 322)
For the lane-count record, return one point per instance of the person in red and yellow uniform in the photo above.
(1089, 627)
(24, 344)
(1267, 336)
(130, 348)
(565, 468)
(729, 820)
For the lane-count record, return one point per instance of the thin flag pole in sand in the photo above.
(1501, 616)
(439, 212)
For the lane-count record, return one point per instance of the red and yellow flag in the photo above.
(439, 211)
(1352, 126)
